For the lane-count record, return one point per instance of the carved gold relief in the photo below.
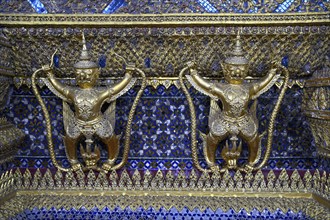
(87, 120)
(307, 192)
(316, 104)
(165, 19)
(10, 136)
(252, 190)
(162, 51)
(234, 120)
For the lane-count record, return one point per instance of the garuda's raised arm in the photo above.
(264, 84)
(204, 86)
(56, 86)
(121, 87)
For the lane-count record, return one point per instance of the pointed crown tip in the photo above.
(85, 58)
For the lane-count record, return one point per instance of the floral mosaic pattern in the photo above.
(152, 213)
(161, 129)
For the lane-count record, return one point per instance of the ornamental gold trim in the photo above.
(303, 48)
(155, 82)
(294, 182)
(121, 20)
(20, 203)
(22, 189)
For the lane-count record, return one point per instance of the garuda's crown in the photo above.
(237, 56)
(84, 60)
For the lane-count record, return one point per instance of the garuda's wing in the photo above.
(122, 92)
(69, 121)
(51, 88)
(110, 114)
(253, 111)
(200, 89)
(266, 88)
(215, 111)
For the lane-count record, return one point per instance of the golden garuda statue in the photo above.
(234, 119)
(87, 121)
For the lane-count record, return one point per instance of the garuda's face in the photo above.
(235, 73)
(86, 78)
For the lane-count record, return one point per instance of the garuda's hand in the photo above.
(191, 64)
(47, 68)
(130, 67)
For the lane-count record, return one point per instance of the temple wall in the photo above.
(160, 179)
(161, 128)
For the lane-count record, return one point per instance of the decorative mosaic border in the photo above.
(151, 213)
(100, 201)
(297, 191)
(162, 20)
(295, 181)
(176, 164)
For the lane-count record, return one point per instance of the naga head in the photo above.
(87, 71)
(236, 66)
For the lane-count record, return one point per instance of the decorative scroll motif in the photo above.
(293, 190)
(163, 51)
(317, 108)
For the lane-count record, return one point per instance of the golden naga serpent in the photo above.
(270, 127)
(276, 109)
(47, 118)
(193, 123)
(129, 122)
(49, 126)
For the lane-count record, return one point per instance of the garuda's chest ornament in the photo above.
(235, 120)
(236, 98)
(85, 102)
(83, 115)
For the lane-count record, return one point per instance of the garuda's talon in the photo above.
(248, 168)
(215, 169)
(76, 167)
(107, 166)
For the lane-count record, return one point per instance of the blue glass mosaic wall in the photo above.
(152, 213)
(161, 129)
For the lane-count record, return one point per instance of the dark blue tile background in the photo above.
(160, 136)
(152, 213)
